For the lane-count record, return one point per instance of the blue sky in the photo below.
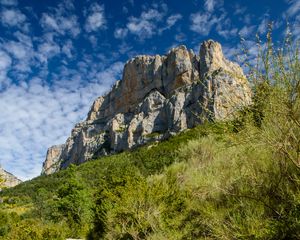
(56, 57)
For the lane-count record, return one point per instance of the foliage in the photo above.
(224, 180)
(2, 181)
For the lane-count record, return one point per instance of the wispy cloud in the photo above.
(211, 5)
(12, 17)
(246, 31)
(95, 18)
(61, 21)
(145, 26)
(294, 8)
(9, 2)
(48, 50)
(151, 22)
(36, 115)
(120, 33)
(60, 26)
(292, 15)
(180, 37)
(239, 10)
(170, 22)
(202, 23)
(214, 16)
(50, 73)
(40, 104)
(5, 61)
(263, 26)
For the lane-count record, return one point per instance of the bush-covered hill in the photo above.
(58, 197)
(232, 180)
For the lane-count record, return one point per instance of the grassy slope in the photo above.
(111, 172)
(147, 160)
(211, 182)
(234, 180)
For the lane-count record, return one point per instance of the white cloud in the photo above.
(246, 31)
(227, 33)
(12, 17)
(68, 48)
(210, 5)
(180, 37)
(121, 33)
(9, 2)
(239, 10)
(294, 8)
(224, 27)
(202, 23)
(230, 52)
(35, 115)
(95, 19)
(173, 19)
(49, 22)
(16, 49)
(292, 15)
(170, 22)
(263, 26)
(48, 50)
(24, 39)
(145, 26)
(61, 24)
(144, 29)
(22, 54)
(152, 21)
(5, 61)
(60, 21)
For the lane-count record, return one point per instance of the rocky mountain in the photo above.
(9, 179)
(158, 96)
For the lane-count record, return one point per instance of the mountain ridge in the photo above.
(158, 96)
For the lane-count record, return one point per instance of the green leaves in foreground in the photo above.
(228, 180)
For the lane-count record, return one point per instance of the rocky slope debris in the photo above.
(158, 96)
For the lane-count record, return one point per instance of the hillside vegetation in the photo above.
(225, 180)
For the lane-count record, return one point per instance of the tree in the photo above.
(73, 203)
(2, 181)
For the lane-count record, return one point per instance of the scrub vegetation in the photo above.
(238, 179)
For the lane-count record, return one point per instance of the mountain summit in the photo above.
(158, 96)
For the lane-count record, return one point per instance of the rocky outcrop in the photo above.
(9, 180)
(52, 162)
(158, 96)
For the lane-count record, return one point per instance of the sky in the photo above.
(56, 57)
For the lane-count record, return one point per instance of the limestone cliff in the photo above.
(158, 96)
(9, 179)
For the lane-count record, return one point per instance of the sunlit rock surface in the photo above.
(158, 96)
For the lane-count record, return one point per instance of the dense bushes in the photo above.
(231, 180)
(224, 191)
(241, 184)
(77, 199)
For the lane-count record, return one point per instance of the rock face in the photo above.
(9, 179)
(158, 96)
(52, 162)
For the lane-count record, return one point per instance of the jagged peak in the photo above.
(212, 59)
(157, 94)
(177, 48)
